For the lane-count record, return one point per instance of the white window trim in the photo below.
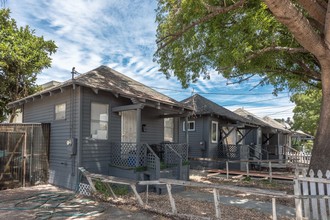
(55, 112)
(216, 130)
(100, 120)
(171, 139)
(184, 126)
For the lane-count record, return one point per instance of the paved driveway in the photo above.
(42, 202)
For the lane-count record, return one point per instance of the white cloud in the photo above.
(120, 34)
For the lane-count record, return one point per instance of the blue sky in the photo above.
(121, 35)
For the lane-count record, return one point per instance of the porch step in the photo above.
(162, 189)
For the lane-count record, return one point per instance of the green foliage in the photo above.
(239, 44)
(247, 179)
(23, 55)
(118, 189)
(307, 111)
(101, 188)
(140, 169)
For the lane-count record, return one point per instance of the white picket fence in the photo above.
(312, 195)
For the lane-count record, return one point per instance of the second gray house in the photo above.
(216, 132)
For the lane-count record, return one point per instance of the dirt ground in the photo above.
(46, 201)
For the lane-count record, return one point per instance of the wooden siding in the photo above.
(195, 137)
(154, 129)
(62, 165)
(96, 153)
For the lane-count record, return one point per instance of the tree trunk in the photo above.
(321, 149)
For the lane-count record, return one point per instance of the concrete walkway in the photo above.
(265, 207)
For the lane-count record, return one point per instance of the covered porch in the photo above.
(148, 147)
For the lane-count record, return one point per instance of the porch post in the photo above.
(186, 130)
(138, 125)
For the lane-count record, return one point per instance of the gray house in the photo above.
(273, 136)
(216, 132)
(105, 121)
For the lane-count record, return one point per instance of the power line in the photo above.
(240, 103)
(274, 113)
(215, 93)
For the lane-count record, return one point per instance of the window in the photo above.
(191, 126)
(60, 111)
(168, 129)
(99, 121)
(214, 132)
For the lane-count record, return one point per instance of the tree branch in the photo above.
(290, 16)
(215, 12)
(326, 27)
(315, 10)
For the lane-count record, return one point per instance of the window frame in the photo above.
(104, 122)
(217, 132)
(168, 127)
(56, 112)
(189, 129)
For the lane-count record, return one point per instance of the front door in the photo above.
(128, 126)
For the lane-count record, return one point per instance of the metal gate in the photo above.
(12, 159)
(23, 155)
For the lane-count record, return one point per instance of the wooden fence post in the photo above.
(297, 193)
(216, 203)
(270, 171)
(227, 169)
(247, 169)
(274, 208)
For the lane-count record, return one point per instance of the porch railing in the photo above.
(173, 159)
(296, 157)
(153, 163)
(229, 151)
(135, 156)
(181, 149)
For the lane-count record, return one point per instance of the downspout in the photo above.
(79, 144)
(186, 130)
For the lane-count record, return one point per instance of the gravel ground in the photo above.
(125, 207)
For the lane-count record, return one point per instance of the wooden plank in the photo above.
(327, 175)
(89, 179)
(110, 189)
(274, 208)
(24, 160)
(320, 187)
(252, 174)
(297, 193)
(12, 155)
(305, 192)
(217, 203)
(312, 185)
(255, 191)
(136, 194)
(169, 191)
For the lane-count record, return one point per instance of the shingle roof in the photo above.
(264, 122)
(275, 124)
(105, 78)
(248, 115)
(203, 106)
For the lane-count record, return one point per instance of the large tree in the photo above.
(282, 42)
(23, 55)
